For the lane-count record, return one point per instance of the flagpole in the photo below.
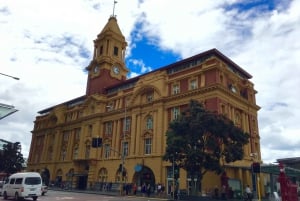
(114, 8)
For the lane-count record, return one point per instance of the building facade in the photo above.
(131, 116)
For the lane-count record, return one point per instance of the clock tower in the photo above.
(107, 66)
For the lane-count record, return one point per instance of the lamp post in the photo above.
(173, 178)
(255, 177)
(124, 139)
(122, 153)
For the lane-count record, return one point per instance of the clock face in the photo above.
(96, 69)
(116, 69)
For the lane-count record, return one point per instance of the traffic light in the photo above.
(96, 142)
(256, 167)
(176, 172)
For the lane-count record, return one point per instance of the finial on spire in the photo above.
(113, 15)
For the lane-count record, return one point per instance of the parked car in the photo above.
(44, 189)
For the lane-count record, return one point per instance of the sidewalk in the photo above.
(111, 193)
(164, 197)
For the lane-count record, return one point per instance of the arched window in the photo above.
(149, 123)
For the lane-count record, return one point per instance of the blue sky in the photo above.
(49, 46)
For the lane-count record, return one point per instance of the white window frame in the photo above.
(193, 84)
(148, 146)
(106, 151)
(175, 88)
(175, 113)
(149, 123)
(108, 127)
(127, 122)
(125, 148)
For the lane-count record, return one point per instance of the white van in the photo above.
(23, 185)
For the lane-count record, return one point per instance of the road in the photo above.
(73, 196)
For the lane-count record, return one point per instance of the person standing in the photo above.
(148, 190)
(248, 193)
(134, 188)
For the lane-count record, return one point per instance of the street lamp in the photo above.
(6, 110)
(16, 78)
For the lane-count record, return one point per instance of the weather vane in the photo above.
(114, 8)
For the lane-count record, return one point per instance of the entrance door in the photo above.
(82, 182)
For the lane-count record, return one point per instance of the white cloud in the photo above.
(49, 43)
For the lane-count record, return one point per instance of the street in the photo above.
(67, 195)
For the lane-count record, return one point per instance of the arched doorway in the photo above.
(144, 175)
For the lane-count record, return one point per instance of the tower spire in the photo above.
(113, 15)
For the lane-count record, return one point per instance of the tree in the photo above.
(12, 160)
(200, 141)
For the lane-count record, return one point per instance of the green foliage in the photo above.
(12, 160)
(200, 141)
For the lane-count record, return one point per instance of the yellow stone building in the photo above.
(131, 116)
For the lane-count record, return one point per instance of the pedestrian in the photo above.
(148, 190)
(248, 193)
(216, 192)
(159, 189)
(223, 193)
(143, 189)
(162, 189)
(134, 188)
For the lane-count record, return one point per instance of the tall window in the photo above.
(106, 151)
(125, 149)
(63, 154)
(75, 152)
(50, 153)
(127, 124)
(77, 134)
(108, 128)
(101, 50)
(87, 151)
(90, 130)
(116, 49)
(149, 123)
(175, 113)
(148, 145)
(65, 136)
(175, 89)
(193, 84)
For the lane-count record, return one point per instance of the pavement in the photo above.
(163, 197)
